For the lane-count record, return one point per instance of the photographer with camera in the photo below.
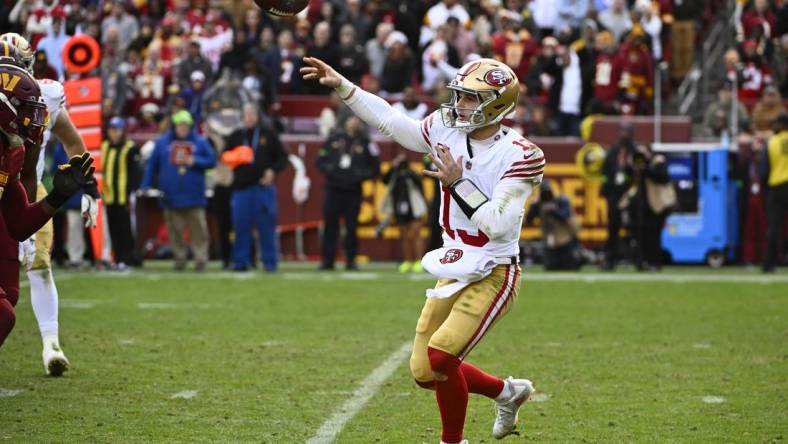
(405, 204)
(559, 229)
(647, 204)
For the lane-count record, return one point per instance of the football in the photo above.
(282, 8)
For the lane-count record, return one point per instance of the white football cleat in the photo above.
(506, 411)
(55, 362)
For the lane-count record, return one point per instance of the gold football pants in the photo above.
(457, 323)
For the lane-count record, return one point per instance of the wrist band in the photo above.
(56, 200)
(468, 196)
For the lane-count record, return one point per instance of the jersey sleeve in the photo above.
(55, 97)
(527, 163)
(426, 127)
(504, 209)
(375, 111)
(22, 218)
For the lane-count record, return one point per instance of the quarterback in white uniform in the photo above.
(487, 171)
(35, 252)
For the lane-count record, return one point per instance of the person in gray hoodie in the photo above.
(54, 42)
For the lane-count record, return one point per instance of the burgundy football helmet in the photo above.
(23, 111)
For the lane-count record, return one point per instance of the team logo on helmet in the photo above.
(451, 256)
(497, 77)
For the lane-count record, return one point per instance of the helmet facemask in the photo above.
(474, 118)
(34, 119)
(30, 118)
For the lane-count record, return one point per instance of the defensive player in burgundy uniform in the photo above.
(23, 118)
(35, 252)
(487, 172)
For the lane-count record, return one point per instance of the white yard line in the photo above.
(9, 393)
(186, 394)
(330, 429)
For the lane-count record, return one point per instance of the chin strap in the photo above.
(467, 195)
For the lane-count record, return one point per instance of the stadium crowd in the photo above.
(565, 52)
(194, 61)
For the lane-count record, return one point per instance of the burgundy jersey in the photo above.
(516, 50)
(606, 77)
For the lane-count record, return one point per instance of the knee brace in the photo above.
(442, 363)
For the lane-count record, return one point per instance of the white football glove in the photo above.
(89, 211)
(27, 252)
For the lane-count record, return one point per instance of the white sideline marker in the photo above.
(713, 399)
(186, 394)
(328, 432)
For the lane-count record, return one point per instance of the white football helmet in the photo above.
(23, 49)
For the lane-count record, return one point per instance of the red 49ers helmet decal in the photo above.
(497, 78)
(451, 256)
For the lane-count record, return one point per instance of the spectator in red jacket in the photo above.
(606, 72)
(514, 45)
(636, 84)
(151, 80)
(754, 73)
(167, 42)
(759, 15)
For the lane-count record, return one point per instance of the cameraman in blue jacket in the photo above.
(177, 168)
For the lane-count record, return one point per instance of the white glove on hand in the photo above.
(89, 211)
(27, 252)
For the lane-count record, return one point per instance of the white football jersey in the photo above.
(55, 97)
(510, 157)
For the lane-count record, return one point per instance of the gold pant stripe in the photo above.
(501, 299)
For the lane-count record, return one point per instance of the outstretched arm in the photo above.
(22, 218)
(68, 135)
(370, 108)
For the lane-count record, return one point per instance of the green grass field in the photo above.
(689, 355)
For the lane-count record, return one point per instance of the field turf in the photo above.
(689, 355)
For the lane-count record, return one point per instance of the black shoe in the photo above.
(326, 267)
(769, 269)
(351, 266)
